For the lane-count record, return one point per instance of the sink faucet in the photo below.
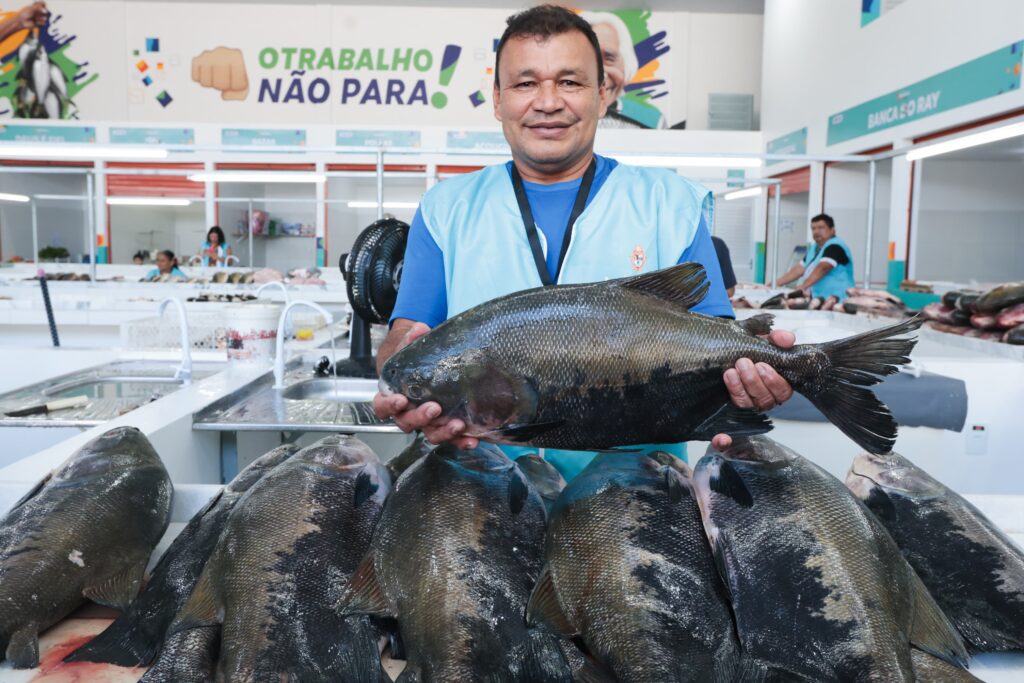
(279, 353)
(276, 283)
(184, 371)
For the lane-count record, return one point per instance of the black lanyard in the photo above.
(531, 226)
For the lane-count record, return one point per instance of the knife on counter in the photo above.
(43, 408)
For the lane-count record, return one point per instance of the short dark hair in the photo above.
(826, 218)
(544, 21)
(221, 241)
(169, 254)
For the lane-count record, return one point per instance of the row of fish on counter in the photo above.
(756, 566)
(997, 314)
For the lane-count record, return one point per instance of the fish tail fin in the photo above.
(123, 643)
(853, 364)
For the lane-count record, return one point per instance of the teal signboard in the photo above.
(987, 76)
(736, 177)
(21, 133)
(377, 138)
(791, 143)
(255, 137)
(153, 136)
(476, 139)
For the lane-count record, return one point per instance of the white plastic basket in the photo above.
(207, 332)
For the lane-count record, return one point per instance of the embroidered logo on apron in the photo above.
(638, 258)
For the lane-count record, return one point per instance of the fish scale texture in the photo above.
(842, 596)
(134, 637)
(456, 565)
(974, 571)
(286, 552)
(627, 367)
(101, 514)
(635, 575)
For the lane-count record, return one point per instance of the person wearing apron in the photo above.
(556, 214)
(827, 269)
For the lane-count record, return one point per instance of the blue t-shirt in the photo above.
(175, 272)
(423, 298)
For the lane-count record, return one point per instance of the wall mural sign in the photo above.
(874, 9)
(39, 74)
(790, 143)
(987, 76)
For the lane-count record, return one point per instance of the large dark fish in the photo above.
(594, 366)
(998, 298)
(1011, 317)
(548, 481)
(269, 587)
(1014, 336)
(973, 570)
(818, 587)
(135, 636)
(85, 531)
(628, 569)
(454, 558)
(410, 454)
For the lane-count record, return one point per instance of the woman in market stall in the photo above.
(215, 250)
(166, 264)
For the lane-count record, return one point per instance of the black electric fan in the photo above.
(372, 272)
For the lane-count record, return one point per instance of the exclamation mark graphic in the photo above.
(449, 60)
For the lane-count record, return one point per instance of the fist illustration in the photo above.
(223, 69)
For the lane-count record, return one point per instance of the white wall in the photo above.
(819, 61)
(793, 218)
(724, 51)
(61, 223)
(846, 200)
(970, 222)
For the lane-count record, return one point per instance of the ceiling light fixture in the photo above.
(148, 201)
(689, 161)
(62, 151)
(966, 141)
(387, 205)
(19, 198)
(742, 194)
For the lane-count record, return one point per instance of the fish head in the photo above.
(443, 366)
(758, 450)
(891, 474)
(545, 478)
(337, 451)
(118, 449)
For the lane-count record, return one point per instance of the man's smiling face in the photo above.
(549, 100)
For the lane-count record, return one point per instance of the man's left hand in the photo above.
(756, 385)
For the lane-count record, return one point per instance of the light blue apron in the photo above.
(838, 280)
(640, 220)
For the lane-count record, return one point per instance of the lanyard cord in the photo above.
(531, 226)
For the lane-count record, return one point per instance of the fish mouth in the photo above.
(384, 389)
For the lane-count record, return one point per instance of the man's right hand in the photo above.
(426, 417)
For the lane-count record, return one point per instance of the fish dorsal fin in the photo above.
(23, 647)
(364, 594)
(730, 484)
(734, 421)
(546, 609)
(365, 486)
(757, 324)
(931, 631)
(684, 285)
(119, 590)
(678, 486)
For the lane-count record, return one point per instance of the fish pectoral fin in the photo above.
(729, 483)
(545, 609)
(119, 590)
(678, 485)
(931, 631)
(365, 487)
(734, 421)
(522, 432)
(685, 284)
(364, 594)
(518, 490)
(23, 647)
(757, 325)
(201, 608)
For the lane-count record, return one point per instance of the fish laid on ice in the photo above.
(621, 362)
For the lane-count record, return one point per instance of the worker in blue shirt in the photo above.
(556, 214)
(166, 264)
(827, 269)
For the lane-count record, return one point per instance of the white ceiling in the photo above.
(709, 6)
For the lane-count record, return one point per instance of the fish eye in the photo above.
(414, 391)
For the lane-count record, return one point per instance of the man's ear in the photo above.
(496, 96)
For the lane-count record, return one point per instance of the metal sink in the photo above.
(340, 390)
(127, 387)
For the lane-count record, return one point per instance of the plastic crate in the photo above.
(207, 332)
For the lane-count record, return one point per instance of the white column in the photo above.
(209, 204)
(900, 206)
